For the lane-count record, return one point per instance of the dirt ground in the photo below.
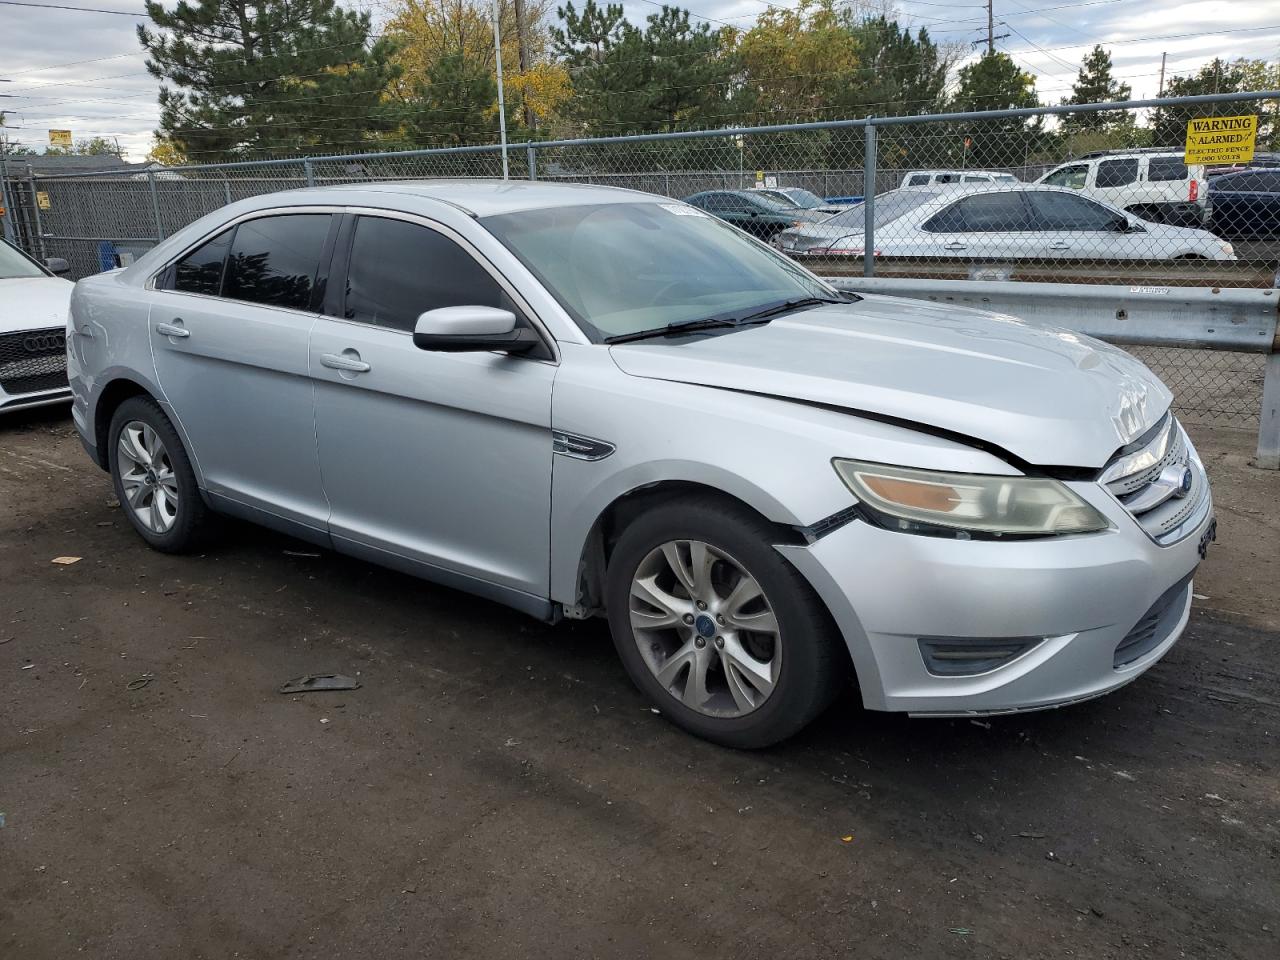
(497, 788)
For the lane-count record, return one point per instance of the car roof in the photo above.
(970, 172)
(485, 198)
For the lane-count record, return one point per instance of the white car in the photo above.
(33, 331)
(1156, 185)
(983, 222)
(800, 197)
(928, 178)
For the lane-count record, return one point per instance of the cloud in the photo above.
(85, 72)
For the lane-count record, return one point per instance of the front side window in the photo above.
(620, 268)
(275, 260)
(1165, 169)
(1066, 211)
(918, 180)
(1073, 177)
(1116, 173)
(399, 270)
(200, 271)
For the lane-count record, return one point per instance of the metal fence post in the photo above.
(308, 172)
(531, 158)
(1269, 419)
(226, 188)
(155, 205)
(35, 208)
(869, 202)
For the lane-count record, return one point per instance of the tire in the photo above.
(168, 491)
(805, 660)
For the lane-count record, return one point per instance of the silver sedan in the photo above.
(590, 402)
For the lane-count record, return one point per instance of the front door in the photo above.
(229, 332)
(440, 459)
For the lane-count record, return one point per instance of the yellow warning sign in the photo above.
(42, 200)
(60, 138)
(1221, 139)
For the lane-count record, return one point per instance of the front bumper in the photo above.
(40, 398)
(1082, 594)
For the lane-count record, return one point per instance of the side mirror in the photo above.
(57, 266)
(472, 329)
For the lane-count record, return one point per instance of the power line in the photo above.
(58, 6)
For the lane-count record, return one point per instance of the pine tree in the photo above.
(995, 82)
(1095, 84)
(252, 77)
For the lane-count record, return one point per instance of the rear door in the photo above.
(985, 226)
(442, 460)
(229, 332)
(1116, 181)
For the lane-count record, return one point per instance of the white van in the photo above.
(928, 178)
(1155, 185)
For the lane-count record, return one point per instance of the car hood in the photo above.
(1044, 394)
(30, 303)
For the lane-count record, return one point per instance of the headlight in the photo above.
(977, 503)
(1227, 249)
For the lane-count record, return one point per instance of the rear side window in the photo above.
(274, 261)
(399, 270)
(1164, 169)
(200, 271)
(1116, 173)
(1066, 211)
(985, 213)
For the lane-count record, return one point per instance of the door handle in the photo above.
(1060, 245)
(953, 245)
(338, 361)
(173, 329)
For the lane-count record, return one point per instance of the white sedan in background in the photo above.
(990, 221)
(33, 331)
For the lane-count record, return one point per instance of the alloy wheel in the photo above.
(147, 478)
(705, 628)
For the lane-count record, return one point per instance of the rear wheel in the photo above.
(717, 628)
(153, 477)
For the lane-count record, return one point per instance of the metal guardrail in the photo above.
(1236, 320)
(1255, 274)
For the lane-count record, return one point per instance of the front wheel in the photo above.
(717, 628)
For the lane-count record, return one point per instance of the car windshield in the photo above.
(889, 207)
(14, 266)
(621, 268)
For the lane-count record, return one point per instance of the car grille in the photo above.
(1160, 480)
(33, 361)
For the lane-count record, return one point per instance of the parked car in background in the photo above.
(582, 401)
(33, 330)
(1244, 204)
(798, 197)
(929, 178)
(975, 222)
(1155, 185)
(1261, 159)
(750, 211)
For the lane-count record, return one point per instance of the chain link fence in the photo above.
(1079, 195)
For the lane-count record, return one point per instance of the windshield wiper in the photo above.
(762, 315)
(674, 329)
(787, 305)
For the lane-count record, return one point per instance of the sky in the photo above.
(82, 71)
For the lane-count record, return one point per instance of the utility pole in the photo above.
(1163, 58)
(522, 49)
(991, 32)
(502, 107)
